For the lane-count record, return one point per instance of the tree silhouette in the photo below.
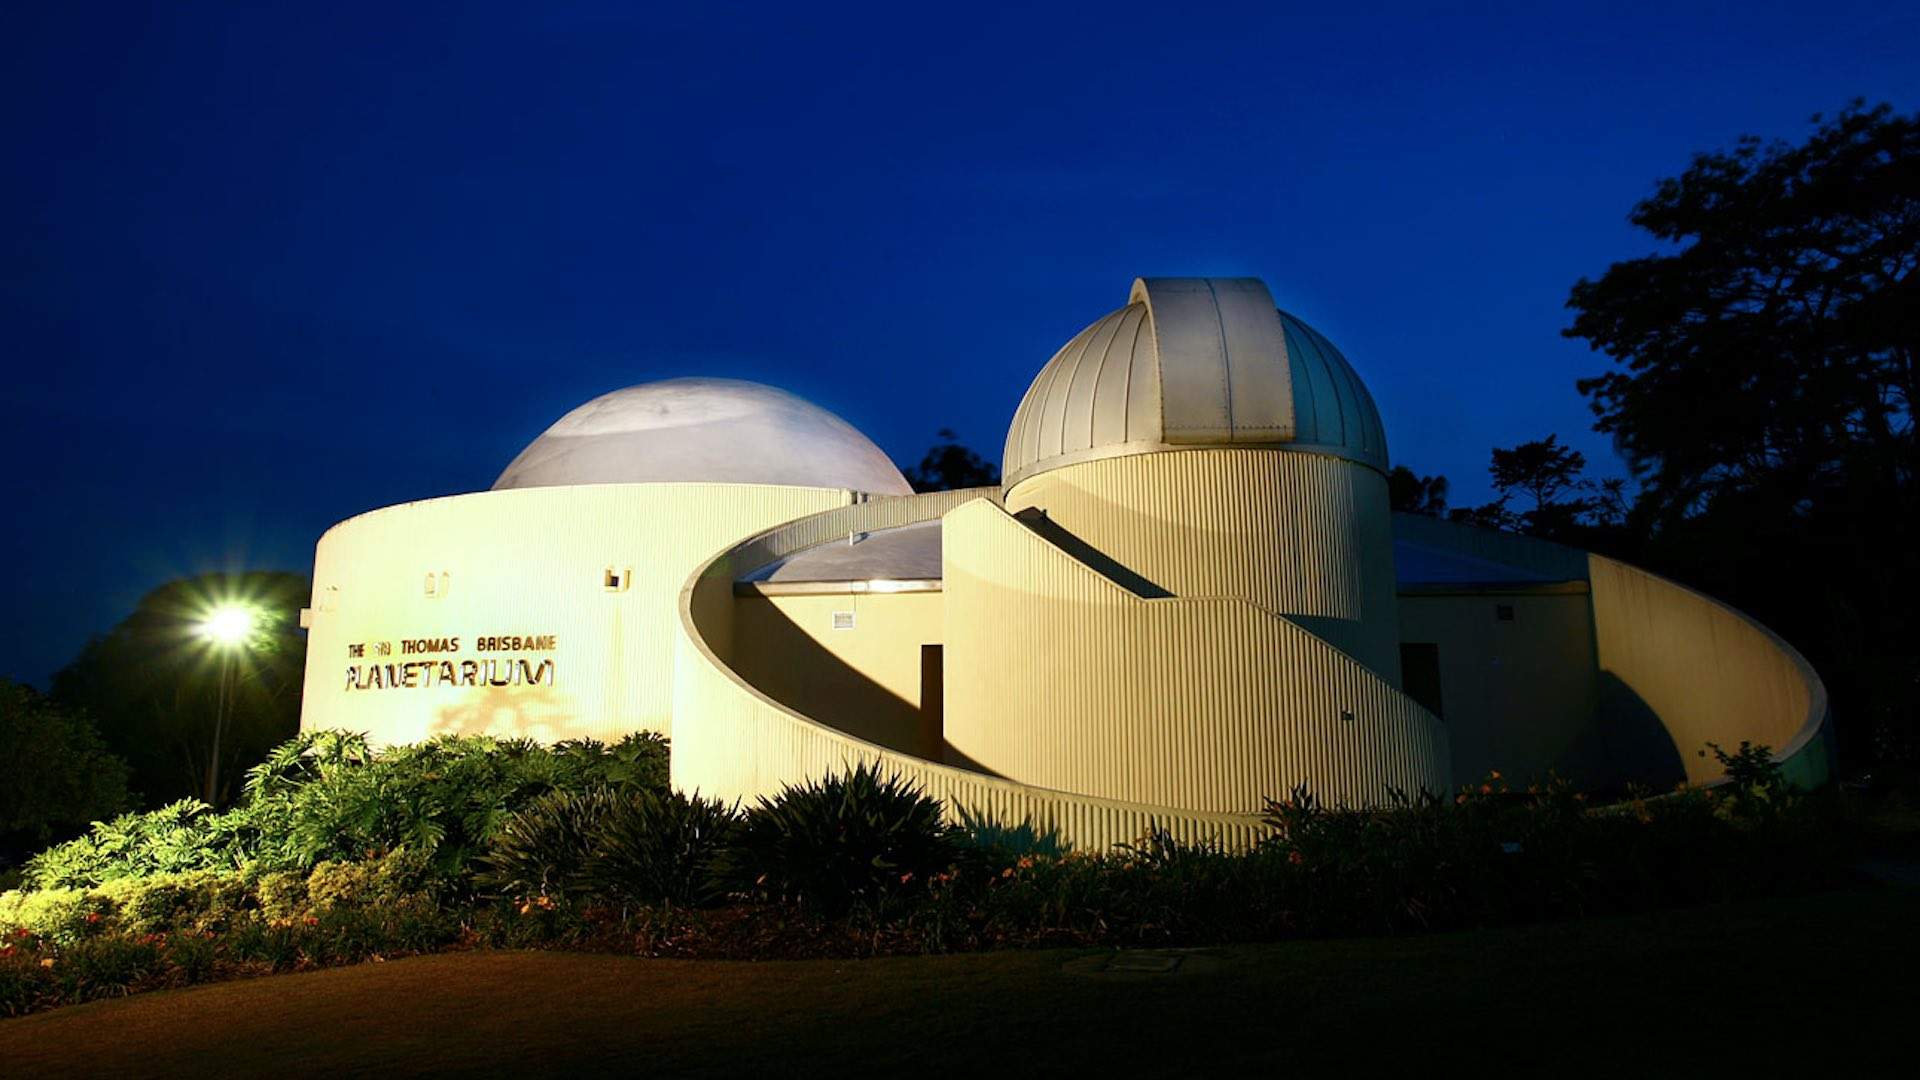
(1764, 392)
(949, 466)
(1410, 493)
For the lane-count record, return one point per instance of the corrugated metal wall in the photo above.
(524, 562)
(1708, 672)
(1060, 678)
(1291, 533)
(736, 742)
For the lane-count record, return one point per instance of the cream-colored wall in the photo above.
(867, 678)
(1516, 696)
(1709, 673)
(1292, 533)
(524, 562)
(1059, 678)
(746, 744)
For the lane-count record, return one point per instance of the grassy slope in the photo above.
(1765, 985)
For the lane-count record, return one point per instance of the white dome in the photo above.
(722, 431)
(1191, 363)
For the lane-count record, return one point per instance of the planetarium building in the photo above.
(1188, 596)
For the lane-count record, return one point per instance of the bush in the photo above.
(652, 849)
(859, 840)
(64, 916)
(542, 851)
(196, 901)
(328, 797)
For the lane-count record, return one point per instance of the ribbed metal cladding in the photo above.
(1334, 409)
(1710, 673)
(1193, 362)
(1291, 533)
(1059, 678)
(528, 562)
(737, 742)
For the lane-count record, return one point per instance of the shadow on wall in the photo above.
(1625, 744)
(794, 669)
(1099, 561)
(511, 712)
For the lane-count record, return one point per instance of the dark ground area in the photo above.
(1820, 981)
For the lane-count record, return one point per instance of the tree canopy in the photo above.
(949, 466)
(1410, 493)
(153, 682)
(56, 775)
(1763, 392)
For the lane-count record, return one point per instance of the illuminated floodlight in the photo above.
(227, 625)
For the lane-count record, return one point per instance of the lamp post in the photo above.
(227, 628)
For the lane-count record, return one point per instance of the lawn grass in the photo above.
(1773, 985)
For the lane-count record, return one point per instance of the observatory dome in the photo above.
(723, 431)
(1193, 363)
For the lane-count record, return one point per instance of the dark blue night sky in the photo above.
(269, 267)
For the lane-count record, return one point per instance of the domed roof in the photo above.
(1192, 363)
(703, 431)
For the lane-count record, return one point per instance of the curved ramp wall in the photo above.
(1058, 677)
(1304, 535)
(1707, 672)
(397, 592)
(747, 744)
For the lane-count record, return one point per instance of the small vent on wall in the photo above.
(843, 620)
(617, 580)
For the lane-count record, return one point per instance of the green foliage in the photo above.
(197, 901)
(626, 847)
(543, 850)
(652, 848)
(170, 840)
(859, 839)
(56, 774)
(326, 796)
(1757, 787)
(153, 683)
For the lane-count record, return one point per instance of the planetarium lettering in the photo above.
(445, 670)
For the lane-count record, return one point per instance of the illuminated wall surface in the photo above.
(1191, 597)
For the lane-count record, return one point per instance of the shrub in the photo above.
(64, 916)
(194, 901)
(856, 840)
(396, 878)
(543, 849)
(329, 797)
(172, 839)
(651, 848)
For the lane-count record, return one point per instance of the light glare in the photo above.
(227, 625)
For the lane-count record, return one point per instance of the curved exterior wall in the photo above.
(1059, 677)
(746, 743)
(1297, 534)
(1707, 672)
(868, 677)
(528, 564)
